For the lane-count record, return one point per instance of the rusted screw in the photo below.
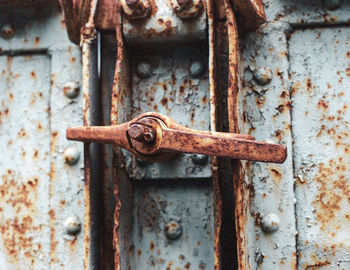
(7, 31)
(173, 230)
(72, 225)
(71, 155)
(185, 3)
(270, 223)
(142, 133)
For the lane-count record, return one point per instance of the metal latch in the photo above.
(156, 137)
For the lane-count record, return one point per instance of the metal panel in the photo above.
(320, 118)
(41, 205)
(269, 188)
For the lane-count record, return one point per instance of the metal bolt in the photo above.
(270, 223)
(332, 4)
(71, 89)
(72, 225)
(199, 159)
(185, 3)
(263, 76)
(7, 31)
(173, 230)
(144, 70)
(197, 69)
(142, 133)
(136, 9)
(71, 155)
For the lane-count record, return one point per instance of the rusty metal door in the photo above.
(65, 206)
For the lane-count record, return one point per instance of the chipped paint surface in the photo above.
(320, 121)
(266, 115)
(39, 189)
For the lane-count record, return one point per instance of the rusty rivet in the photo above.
(144, 70)
(71, 89)
(197, 69)
(332, 4)
(199, 159)
(136, 9)
(7, 31)
(187, 9)
(72, 225)
(270, 223)
(263, 76)
(173, 230)
(71, 155)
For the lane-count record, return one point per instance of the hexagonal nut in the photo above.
(270, 223)
(72, 225)
(71, 155)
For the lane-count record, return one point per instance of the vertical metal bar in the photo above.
(232, 98)
(214, 127)
(91, 151)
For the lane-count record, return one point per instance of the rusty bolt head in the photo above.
(7, 31)
(71, 155)
(144, 70)
(136, 9)
(173, 230)
(142, 133)
(72, 225)
(185, 3)
(263, 76)
(71, 89)
(332, 4)
(197, 69)
(270, 223)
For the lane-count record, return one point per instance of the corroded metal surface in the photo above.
(40, 189)
(266, 115)
(251, 13)
(320, 124)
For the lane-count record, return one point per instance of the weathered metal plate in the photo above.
(301, 12)
(320, 61)
(40, 190)
(269, 188)
(173, 90)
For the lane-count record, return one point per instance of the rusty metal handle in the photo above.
(155, 137)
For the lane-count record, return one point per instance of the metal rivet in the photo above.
(199, 159)
(144, 70)
(270, 223)
(173, 230)
(263, 76)
(187, 9)
(197, 69)
(7, 31)
(72, 225)
(136, 9)
(332, 4)
(71, 155)
(71, 89)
